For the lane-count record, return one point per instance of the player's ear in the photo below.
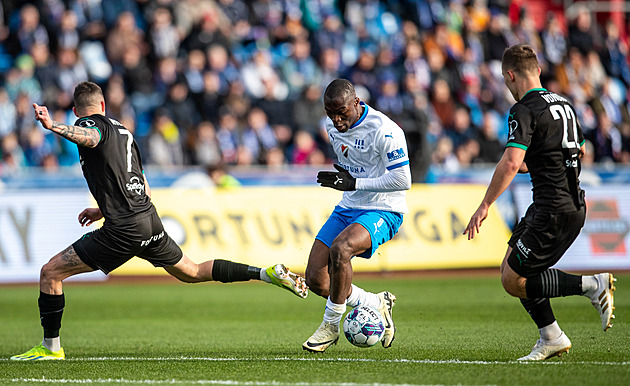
(103, 106)
(74, 110)
(539, 71)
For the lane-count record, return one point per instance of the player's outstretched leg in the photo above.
(40, 353)
(602, 298)
(385, 308)
(283, 278)
(545, 349)
(325, 336)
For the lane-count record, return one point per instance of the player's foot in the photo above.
(602, 298)
(283, 278)
(40, 353)
(326, 335)
(545, 349)
(385, 308)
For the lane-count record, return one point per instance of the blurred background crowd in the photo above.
(234, 82)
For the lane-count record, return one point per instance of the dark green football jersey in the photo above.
(545, 125)
(113, 171)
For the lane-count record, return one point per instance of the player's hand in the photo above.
(41, 114)
(89, 215)
(340, 180)
(475, 221)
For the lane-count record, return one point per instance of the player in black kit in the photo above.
(545, 140)
(112, 167)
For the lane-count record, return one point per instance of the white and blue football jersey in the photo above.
(372, 147)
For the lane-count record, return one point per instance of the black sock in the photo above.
(553, 283)
(50, 312)
(540, 311)
(228, 271)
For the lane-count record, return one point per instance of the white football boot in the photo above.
(602, 298)
(385, 308)
(545, 349)
(326, 335)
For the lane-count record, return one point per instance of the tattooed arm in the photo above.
(82, 136)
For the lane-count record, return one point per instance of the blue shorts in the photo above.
(382, 226)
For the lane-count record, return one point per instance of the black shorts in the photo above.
(111, 246)
(541, 238)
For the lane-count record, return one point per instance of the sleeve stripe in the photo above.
(398, 165)
(512, 144)
(582, 143)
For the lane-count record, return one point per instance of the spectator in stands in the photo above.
(257, 136)
(203, 145)
(490, 148)
(228, 135)
(29, 32)
(300, 69)
(165, 142)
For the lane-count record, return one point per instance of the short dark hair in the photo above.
(87, 94)
(340, 89)
(520, 58)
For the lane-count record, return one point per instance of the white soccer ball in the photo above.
(363, 326)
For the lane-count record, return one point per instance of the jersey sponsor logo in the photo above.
(395, 154)
(353, 169)
(359, 144)
(115, 122)
(152, 238)
(389, 136)
(87, 123)
(135, 185)
(344, 150)
(522, 248)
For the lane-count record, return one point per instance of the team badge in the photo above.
(344, 150)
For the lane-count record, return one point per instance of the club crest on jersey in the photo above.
(344, 150)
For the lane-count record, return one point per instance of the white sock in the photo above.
(53, 344)
(589, 285)
(360, 297)
(334, 312)
(550, 332)
(263, 276)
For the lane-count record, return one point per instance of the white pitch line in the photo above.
(190, 382)
(356, 360)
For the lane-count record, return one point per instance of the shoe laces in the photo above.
(325, 330)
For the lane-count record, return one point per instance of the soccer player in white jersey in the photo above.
(373, 172)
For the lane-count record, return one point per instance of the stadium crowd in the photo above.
(234, 82)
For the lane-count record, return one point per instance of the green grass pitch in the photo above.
(451, 330)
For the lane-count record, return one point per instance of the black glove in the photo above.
(341, 180)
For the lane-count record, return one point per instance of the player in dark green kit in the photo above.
(545, 140)
(112, 167)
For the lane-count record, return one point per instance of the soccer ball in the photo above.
(363, 326)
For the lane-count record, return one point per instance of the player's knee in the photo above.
(340, 254)
(47, 274)
(316, 283)
(511, 286)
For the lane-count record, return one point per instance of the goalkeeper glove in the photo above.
(341, 180)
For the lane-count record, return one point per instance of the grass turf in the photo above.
(457, 330)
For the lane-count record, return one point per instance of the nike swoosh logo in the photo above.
(313, 345)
